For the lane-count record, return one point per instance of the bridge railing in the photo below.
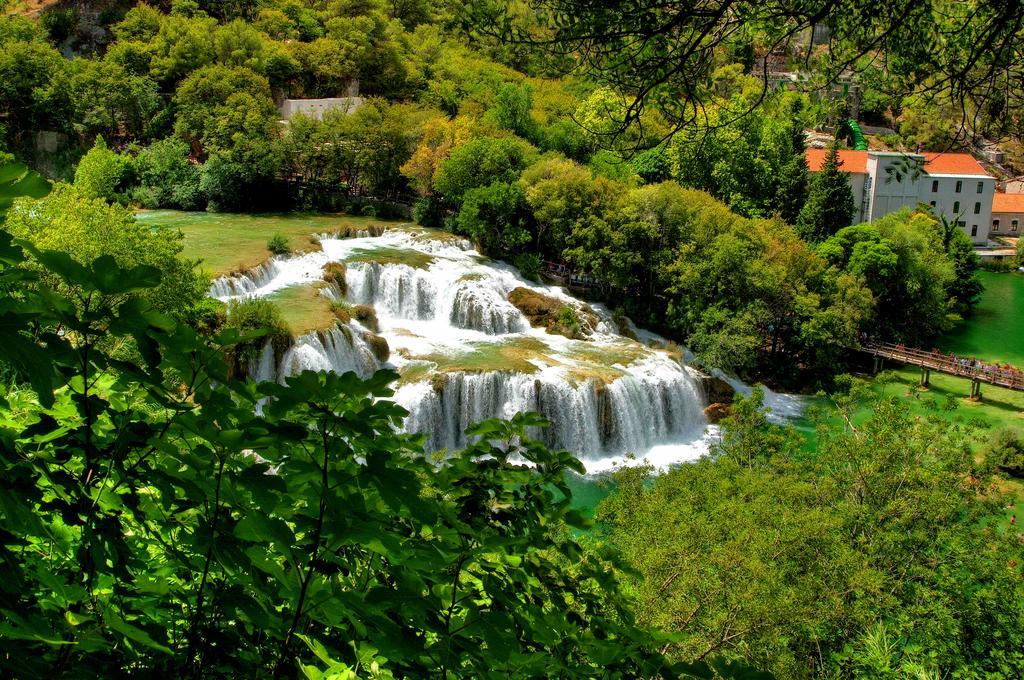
(977, 370)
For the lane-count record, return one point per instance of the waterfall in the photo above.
(404, 292)
(401, 291)
(654, 405)
(467, 354)
(340, 349)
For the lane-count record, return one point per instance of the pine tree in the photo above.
(791, 190)
(830, 205)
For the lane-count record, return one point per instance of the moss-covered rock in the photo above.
(378, 345)
(366, 315)
(391, 255)
(334, 275)
(717, 390)
(554, 315)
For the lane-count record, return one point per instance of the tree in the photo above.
(829, 206)
(111, 100)
(86, 228)
(167, 179)
(966, 287)
(561, 194)
(480, 162)
(512, 109)
(496, 218)
(34, 92)
(792, 190)
(794, 562)
(216, 105)
(100, 172)
(661, 54)
(900, 258)
(188, 535)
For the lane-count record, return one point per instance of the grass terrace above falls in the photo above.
(466, 353)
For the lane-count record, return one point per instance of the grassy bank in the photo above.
(231, 242)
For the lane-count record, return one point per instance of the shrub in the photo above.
(59, 23)
(528, 265)
(1006, 451)
(278, 244)
(368, 210)
(428, 212)
(249, 316)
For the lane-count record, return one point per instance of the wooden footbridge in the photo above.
(975, 370)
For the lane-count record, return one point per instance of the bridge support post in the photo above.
(975, 389)
(926, 374)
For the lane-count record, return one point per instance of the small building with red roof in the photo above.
(954, 185)
(1007, 214)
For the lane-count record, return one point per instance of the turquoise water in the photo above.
(995, 331)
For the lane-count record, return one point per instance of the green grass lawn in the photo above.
(304, 309)
(16, 180)
(227, 242)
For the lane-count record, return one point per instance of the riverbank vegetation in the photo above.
(162, 514)
(879, 554)
(181, 114)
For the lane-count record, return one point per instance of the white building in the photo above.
(953, 184)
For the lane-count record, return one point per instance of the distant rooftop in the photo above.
(1008, 203)
(960, 164)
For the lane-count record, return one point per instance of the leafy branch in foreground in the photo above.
(660, 55)
(153, 523)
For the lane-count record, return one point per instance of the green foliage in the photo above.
(495, 217)
(512, 109)
(278, 244)
(901, 259)
(872, 557)
(480, 162)
(34, 88)
(830, 205)
(742, 160)
(528, 264)
(155, 523)
(59, 22)
(792, 189)
(428, 212)
(218, 104)
(745, 293)
(88, 228)
(100, 172)
(1005, 450)
(167, 179)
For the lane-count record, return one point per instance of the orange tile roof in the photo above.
(934, 163)
(952, 164)
(851, 161)
(1008, 203)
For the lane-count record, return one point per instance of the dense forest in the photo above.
(162, 514)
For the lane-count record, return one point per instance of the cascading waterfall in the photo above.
(339, 349)
(467, 354)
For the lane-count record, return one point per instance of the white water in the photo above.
(467, 354)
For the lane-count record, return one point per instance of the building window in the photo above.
(974, 230)
(956, 207)
(977, 208)
(1013, 225)
(959, 185)
(995, 225)
(981, 187)
(961, 224)
(935, 185)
